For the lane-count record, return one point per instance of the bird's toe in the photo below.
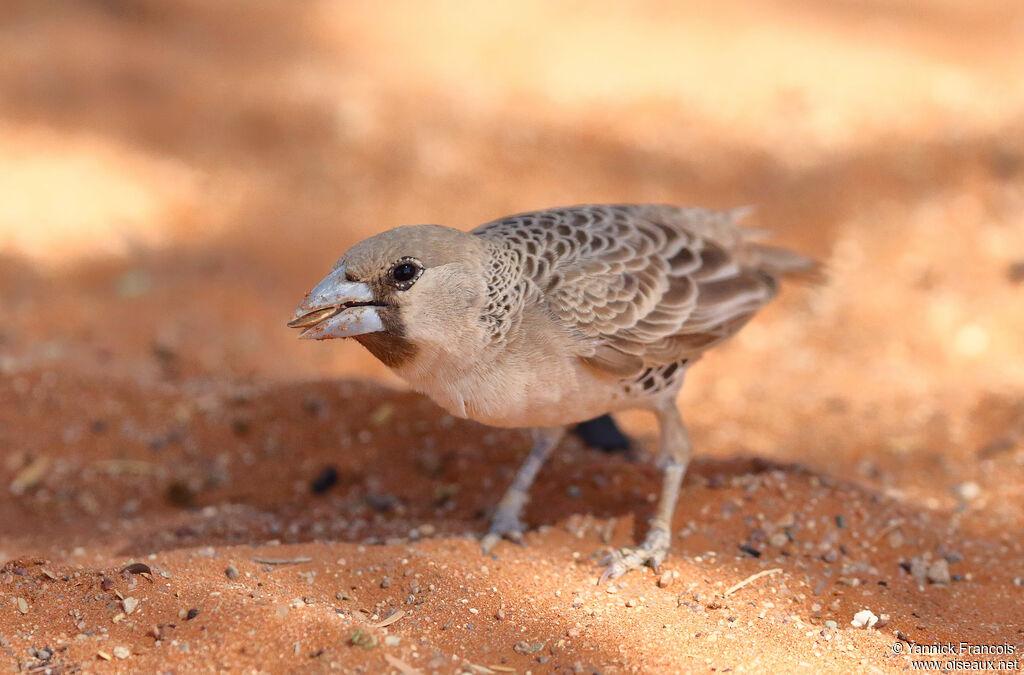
(502, 527)
(652, 552)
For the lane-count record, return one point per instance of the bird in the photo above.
(549, 318)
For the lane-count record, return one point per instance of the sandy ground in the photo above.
(184, 487)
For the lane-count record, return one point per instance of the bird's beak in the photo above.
(337, 308)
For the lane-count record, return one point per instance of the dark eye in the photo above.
(405, 272)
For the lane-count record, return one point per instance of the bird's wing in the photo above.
(643, 285)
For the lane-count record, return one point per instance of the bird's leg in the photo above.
(506, 521)
(675, 451)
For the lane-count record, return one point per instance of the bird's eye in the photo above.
(404, 273)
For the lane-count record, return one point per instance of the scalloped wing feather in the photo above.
(640, 285)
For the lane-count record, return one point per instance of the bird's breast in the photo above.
(505, 391)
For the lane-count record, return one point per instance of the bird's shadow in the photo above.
(353, 461)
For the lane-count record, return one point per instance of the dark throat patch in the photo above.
(390, 345)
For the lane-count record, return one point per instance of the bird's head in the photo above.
(399, 290)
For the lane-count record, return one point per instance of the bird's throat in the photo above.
(392, 350)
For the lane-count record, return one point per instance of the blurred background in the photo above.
(175, 175)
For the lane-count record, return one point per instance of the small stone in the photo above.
(522, 647)
(967, 491)
(832, 625)
(324, 481)
(895, 539)
(864, 619)
(231, 572)
(938, 572)
(919, 570)
(130, 605)
(750, 551)
(22, 605)
(953, 557)
(382, 414)
(392, 640)
(122, 652)
(44, 654)
(883, 621)
(666, 579)
(385, 582)
(778, 539)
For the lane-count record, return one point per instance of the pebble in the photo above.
(527, 647)
(919, 570)
(967, 491)
(778, 539)
(122, 652)
(938, 572)
(231, 572)
(750, 550)
(831, 624)
(864, 619)
(324, 481)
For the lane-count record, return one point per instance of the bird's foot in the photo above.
(505, 525)
(652, 552)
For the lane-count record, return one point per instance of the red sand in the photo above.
(154, 409)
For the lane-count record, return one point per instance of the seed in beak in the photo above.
(313, 318)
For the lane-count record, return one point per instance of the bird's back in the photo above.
(643, 286)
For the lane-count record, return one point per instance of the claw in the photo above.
(488, 541)
(652, 552)
(502, 528)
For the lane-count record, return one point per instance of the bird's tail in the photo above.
(781, 262)
(772, 260)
